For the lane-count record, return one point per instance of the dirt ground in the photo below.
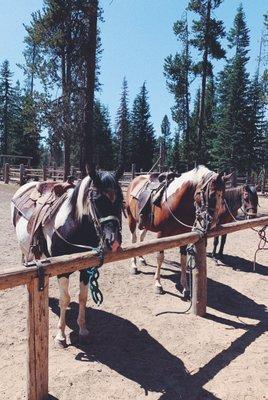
(134, 353)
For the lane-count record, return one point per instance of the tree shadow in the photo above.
(241, 264)
(134, 354)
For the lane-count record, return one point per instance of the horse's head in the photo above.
(250, 201)
(209, 197)
(105, 206)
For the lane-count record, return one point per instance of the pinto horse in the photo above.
(176, 212)
(242, 197)
(97, 199)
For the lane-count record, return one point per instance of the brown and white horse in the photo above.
(243, 197)
(177, 211)
(97, 198)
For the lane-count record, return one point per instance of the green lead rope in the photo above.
(94, 274)
(96, 294)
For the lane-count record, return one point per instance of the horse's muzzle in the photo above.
(116, 246)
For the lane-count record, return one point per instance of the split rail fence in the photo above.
(37, 321)
(20, 174)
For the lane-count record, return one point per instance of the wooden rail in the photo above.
(37, 382)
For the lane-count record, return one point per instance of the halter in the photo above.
(202, 211)
(202, 214)
(99, 221)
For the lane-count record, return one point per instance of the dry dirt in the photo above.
(135, 354)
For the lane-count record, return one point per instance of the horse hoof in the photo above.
(158, 290)
(84, 339)
(60, 343)
(134, 271)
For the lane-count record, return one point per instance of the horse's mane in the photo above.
(233, 197)
(79, 197)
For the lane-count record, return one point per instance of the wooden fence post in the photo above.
(133, 171)
(44, 172)
(22, 171)
(199, 290)
(6, 173)
(54, 171)
(37, 357)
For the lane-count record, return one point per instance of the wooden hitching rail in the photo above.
(37, 360)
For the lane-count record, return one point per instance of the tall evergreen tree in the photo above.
(207, 32)
(123, 129)
(6, 107)
(232, 143)
(143, 140)
(103, 134)
(166, 141)
(178, 70)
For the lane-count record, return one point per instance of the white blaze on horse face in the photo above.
(194, 176)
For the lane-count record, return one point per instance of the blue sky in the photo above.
(136, 37)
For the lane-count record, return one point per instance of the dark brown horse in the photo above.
(176, 212)
(242, 197)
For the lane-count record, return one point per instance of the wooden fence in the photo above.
(37, 322)
(20, 174)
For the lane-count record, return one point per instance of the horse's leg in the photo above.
(223, 241)
(81, 320)
(132, 227)
(142, 236)
(184, 283)
(64, 301)
(157, 276)
(215, 244)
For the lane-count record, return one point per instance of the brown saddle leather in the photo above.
(40, 203)
(150, 195)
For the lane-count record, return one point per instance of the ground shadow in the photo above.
(223, 298)
(241, 264)
(134, 354)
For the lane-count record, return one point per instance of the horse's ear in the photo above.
(119, 172)
(92, 173)
(227, 177)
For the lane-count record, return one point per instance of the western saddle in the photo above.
(150, 195)
(41, 204)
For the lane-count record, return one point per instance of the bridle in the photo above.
(99, 221)
(203, 211)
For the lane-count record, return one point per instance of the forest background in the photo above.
(216, 118)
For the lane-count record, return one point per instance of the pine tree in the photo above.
(143, 140)
(231, 144)
(166, 141)
(178, 70)
(207, 32)
(176, 153)
(123, 129)
(104, 140)
(6, 107)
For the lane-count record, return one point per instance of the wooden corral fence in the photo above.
(38, 326)
(23, 173)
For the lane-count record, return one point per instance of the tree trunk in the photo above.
(201, 121)
(90, 58)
